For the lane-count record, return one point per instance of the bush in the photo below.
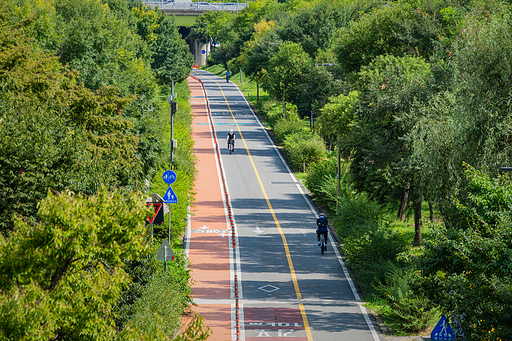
(409, 310)
(284, 127)
(157, 313)
(373, 244)
(321, 182)
(273, 111)
(357, 214)
(304, 148)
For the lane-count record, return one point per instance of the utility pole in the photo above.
(284, 102)
(338, 171)
(173, 103)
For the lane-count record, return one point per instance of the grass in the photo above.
(407, 226)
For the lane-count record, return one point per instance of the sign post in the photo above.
(174, 108)
(164, 253)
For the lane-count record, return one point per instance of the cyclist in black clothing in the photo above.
(231, 138)
(321, 222)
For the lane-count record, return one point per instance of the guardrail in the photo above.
(195, 6)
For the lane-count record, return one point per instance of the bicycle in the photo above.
(231, 146)
(323, 248)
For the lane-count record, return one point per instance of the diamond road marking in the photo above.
(268, 288)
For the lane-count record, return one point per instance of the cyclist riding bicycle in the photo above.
(321, 222)
(231, 139)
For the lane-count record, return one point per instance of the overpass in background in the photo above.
(186, 13)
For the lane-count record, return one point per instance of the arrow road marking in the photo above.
(258, 230)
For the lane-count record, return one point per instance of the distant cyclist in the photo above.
(231, 138)
(321, 222)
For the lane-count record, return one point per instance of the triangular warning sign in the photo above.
(170, 197)
(157, 206)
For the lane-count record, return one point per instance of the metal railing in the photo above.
(197, 6)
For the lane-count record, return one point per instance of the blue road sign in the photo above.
(170, 197)
(169, 177)
(442, 331)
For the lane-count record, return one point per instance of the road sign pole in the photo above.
(165, 259)
(173, 112)
(169, 221)
(151, 232)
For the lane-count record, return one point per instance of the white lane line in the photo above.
(313, 209)
(188, 234)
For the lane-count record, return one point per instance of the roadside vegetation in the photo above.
(415, 98)
(84, 127)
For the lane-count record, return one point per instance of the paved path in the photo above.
(208, 234)
(287, 289)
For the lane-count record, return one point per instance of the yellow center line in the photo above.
(283, 237)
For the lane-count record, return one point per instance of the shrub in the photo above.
(283, 128)
(373, 244)
(321, 182)
(304, 148)
(411, 311)
(273, 111)
(357, 214)
(157, 313)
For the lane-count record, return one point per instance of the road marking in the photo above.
(268, 288)
(204, 227)
(276, 221)
(258, 230)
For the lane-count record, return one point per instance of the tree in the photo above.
(314, 24)
(61, 277)
(391, 88)
(286, 72)
(401, 29)
(172, 60)
(466, 267)
(470, 121)
(337, 118)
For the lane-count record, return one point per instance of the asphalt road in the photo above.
(288, 289)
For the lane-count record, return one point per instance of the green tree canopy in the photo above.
(287, 71)
(337, 118)
(470, 122)
(467, 266)
(68, 267)
(401, 29)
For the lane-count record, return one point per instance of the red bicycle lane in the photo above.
(209, 244)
